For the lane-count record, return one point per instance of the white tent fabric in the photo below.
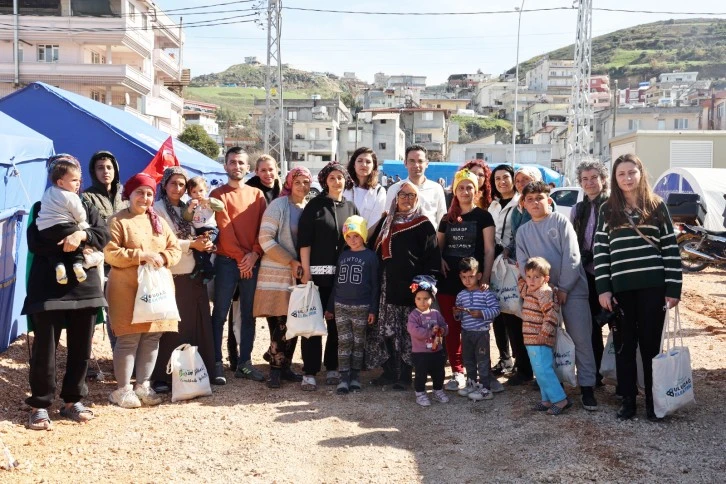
(710, 183)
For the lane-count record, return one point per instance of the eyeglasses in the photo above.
(408, 196)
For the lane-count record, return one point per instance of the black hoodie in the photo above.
(107, 203)
(270, 193)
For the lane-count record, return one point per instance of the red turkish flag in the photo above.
(163, 159)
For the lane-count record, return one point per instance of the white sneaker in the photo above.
(124, 397)
(470, 387)
(440, 396)
(480, 393)
(457, 382)
(79, 272)
(423, 399)
(495, 385)
(147, 395)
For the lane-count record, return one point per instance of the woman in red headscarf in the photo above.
(138, 236)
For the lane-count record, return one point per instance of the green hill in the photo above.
(236, 88)
(644, 51)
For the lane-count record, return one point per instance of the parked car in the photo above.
(565, 198)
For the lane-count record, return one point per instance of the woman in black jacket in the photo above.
(52, 307)
(320, 239)
(405, 242)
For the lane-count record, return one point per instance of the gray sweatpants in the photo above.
(135, 349)
(578, 323)
(475, 355)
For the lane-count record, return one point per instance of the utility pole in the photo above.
(579, 142)
(16, 49)
(274, 122)
(516, 87)
(616, 98)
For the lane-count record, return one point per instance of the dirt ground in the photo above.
(248, 433)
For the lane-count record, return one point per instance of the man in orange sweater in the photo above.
(237, 261)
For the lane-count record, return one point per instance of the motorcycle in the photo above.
(700, 247)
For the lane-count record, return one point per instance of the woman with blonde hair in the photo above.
(638, 268)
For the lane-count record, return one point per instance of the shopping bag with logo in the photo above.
(155, 300)
(189, 377)
(504, 285)
(305, 312)
(672, 376)
(565, 356)
(608, 369)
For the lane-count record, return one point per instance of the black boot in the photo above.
(650, 412)
(289, 375)
(588, 399)
(274, 381)
(627, 409)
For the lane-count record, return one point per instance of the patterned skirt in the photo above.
(390, 327)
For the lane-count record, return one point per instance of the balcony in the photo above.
(165, 25)
(317, 145)
(177, 103)
(94, 74)
(82, 30)
(135, 112)
(165, 63)
(432, 146)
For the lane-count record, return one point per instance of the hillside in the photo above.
(238, 86)
(644, 51)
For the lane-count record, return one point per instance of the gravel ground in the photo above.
(246, 432)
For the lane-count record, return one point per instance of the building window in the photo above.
(661, 124)
(633, 124)
(97, 58)
(427, 116)
(97, 96)
(47, 53)
(680, 123)
(329, 133)
(479, 156)
(292, 115)
(422, 138)
(381, 146)
(383, 121)
(132, 12)
(144, 22)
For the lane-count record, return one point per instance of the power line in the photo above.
(208, 6)
(496, 12)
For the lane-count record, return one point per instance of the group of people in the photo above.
(403, 276)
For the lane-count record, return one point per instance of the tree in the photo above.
(195, 136)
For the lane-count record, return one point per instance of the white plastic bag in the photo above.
(155, 300)
(305, 312)
(608, 368)
(565, 356)
(672, 376)
(189, 377)
(504, 285)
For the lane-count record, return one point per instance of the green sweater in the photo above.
(624, 261)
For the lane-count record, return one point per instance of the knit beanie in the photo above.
(136, 181)
(462, 175)
(355, 224)
(330, 167)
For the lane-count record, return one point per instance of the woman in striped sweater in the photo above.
(638, 267)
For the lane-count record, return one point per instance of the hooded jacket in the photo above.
(107, 202)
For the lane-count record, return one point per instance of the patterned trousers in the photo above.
(351, 322)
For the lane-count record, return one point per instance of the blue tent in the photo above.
(23, 153)
(446, 170)
(81, 126)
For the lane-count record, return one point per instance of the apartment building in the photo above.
(205, 115)
(549, 74)
(489, 96)
(600, 92)
(428, 127)
(467, 80)
(312, 129)
(445, 103)
(124, 53)
(380, 131)
(632, 119)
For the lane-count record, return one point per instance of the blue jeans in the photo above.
(542, 359)
(226, 278)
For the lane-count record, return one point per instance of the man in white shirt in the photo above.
(431, 194)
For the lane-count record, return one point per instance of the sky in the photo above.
(431, 46)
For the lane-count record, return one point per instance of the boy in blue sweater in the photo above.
(354, 301)
(475, 309)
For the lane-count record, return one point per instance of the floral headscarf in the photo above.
(183, 228)
(290, 178)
